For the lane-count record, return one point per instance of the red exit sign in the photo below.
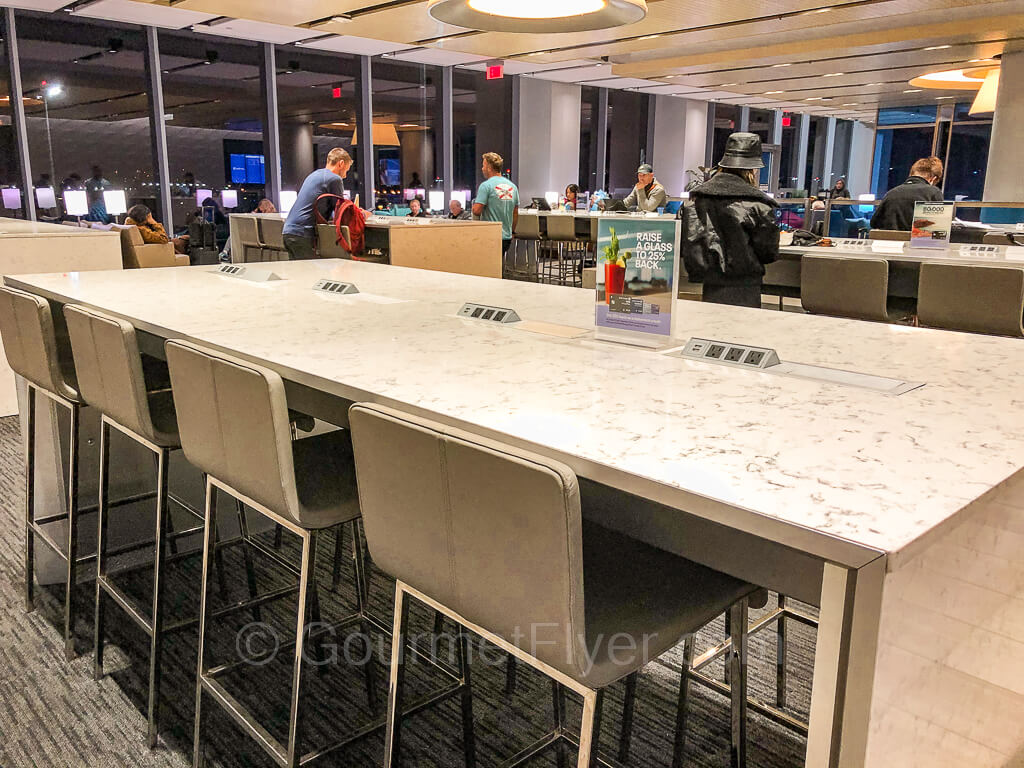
(787, 122)
(495, 71)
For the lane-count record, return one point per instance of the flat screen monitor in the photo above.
(202, 195)
(288, 197)
(246, 168)
(435, 199)
(76, 202)
(115, 201)
(540, 204)
(229, 198)
(45, 197)
(12, 198)
(615, 204)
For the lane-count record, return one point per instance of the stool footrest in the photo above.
(774, 714)
(121, 597)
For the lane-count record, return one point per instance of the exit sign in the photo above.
(787, 122)
(495, 71)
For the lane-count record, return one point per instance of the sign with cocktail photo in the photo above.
(636, 279)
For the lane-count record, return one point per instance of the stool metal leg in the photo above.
(30, 499)
(780, 656)
(396, 685)
(156, 638)
(590, 728)
(628, 707)
(69, 593)
(198, 752)
(362, 599)
(101, 549)
(683, 704)
(250, 569)
(466, 696)
(307, 584)
(558, 705)
(738, 690)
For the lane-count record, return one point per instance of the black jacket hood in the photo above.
(732, 186)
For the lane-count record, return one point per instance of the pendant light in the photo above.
(538, 16)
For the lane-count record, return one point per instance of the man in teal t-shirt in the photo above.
(497, 199)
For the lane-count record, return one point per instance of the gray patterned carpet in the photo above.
(52, 713)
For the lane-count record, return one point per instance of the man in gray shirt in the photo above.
(648, 194)
(300, 227)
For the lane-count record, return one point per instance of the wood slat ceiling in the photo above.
(847, 56)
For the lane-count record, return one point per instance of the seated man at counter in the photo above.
(416, 208)
(497, 199)
(300, 227)
(648, 194)
(896, 210)
(456, 211)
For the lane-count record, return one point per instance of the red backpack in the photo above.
(346, 214)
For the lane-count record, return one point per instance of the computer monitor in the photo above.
(288, 197)
(229, 198)
(76, 202)
(540, 204)
(202, 195)
(115, 201)
(11, 197)
(614, 204)
(45, 197)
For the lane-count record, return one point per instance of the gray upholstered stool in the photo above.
(972, 297)
(33, 352)
(527, 233)
(243, 444)
(494, 538)
(249, 236)
(566, 268)
(849, 287)
(132, 398)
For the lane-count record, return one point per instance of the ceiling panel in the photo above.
(438, 57)
(360, 46)
(405, 24)
(46, 6)
(165, 16)
(528, 66)
(254, 30)
(576, 74)
(291, 12)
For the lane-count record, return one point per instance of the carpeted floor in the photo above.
(52, 713)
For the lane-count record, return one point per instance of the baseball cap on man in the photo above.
(645, 168)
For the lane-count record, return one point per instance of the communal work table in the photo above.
(901, 517)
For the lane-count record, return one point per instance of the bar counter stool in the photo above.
(493, 537)
(562, 232)
(30, 342)
(272, 235)
(243, 444)
(248, 229)
(528, 233)
(857, 288)
(972, 297)
(132, 399)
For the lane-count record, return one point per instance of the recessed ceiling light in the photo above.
(821, 10)
(913, 90)
(341, 19)
(773, 93)
(834, 74)
(536, 53)
(537, 16)
(940, 98)
(779, 66)
(648, 37)
(855, 104)
(936, 47)
(727, 85)
(442, 40)
(815, 98)
(979, 61)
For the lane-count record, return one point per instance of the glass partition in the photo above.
(10, 168)
(792, 214)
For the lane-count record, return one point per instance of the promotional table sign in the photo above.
(932, 225)
(637, 280)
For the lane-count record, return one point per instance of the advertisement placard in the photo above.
(637, 280)
(932, 225)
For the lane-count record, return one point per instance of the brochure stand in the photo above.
(637, 281)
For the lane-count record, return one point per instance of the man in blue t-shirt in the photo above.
(300, 227)
(497, 199)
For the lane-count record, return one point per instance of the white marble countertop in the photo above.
(827, 469)
(376, 220)
(951, 255)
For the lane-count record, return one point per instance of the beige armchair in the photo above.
(136, 254)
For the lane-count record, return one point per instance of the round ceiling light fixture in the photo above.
(984, 80)
(538, 16)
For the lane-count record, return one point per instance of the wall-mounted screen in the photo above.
(229, 198)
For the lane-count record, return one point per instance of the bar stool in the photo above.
(527, 233)
(244, 446)
(249, 236)
(272, 234)
(972, 297)
(848, 287)
(563, 270)
(30, 342)
(131, 398)
(493, 537)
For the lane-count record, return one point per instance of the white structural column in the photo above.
(679, 138)
(1004, 182)
(800, 173)
(862, 146)
(549, 136)
(775, 137)
(828, 154)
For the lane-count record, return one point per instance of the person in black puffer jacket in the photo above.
(728, 227)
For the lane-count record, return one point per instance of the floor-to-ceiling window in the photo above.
(482, 120)
(10, 171)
